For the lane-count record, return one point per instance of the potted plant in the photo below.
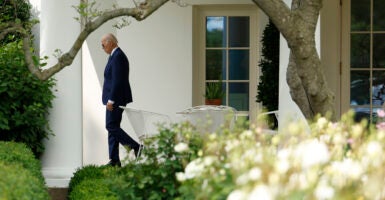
(214, 93)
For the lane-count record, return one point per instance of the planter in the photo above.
(216, 102)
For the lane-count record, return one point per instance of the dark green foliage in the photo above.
(268, 85)
(20, 173)
(269, 80)
(14, 11)
(25, 100)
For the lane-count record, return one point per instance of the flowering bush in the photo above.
(342, 160)
(152, 176)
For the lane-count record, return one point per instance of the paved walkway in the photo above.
(58, 193)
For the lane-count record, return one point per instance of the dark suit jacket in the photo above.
(116, 86)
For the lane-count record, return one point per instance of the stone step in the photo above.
(58, 193)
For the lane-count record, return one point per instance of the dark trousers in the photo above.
(117, 135)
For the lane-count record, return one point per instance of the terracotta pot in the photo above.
(216, 102)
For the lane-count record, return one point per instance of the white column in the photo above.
(289, 111)
(63, 153)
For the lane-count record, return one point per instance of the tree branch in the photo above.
(271, 7)
(6, 28)
(140, 13)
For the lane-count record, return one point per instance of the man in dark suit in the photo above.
(116, 92)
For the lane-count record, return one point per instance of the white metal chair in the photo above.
(145, 123)
(217, 115)
(276, 115)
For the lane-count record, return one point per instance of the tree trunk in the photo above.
(305, 75)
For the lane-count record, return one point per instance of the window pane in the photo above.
(360, 15)
(239, 96)
(378, 88)
(359, 88)
(239, 31)
(215, 64)
(361, 112)
(215, 31)
(378, 15)
(360, 51)
(378, 50)
(239, 64)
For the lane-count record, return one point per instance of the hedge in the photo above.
(20, 173)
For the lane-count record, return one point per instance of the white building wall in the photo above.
(63, 152)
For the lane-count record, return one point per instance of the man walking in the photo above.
(116, 92)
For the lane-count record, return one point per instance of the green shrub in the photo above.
(269, 80)
(92, 189)
(25, 100)
(19, 183)
(153, 177)
(19, 154)
(87, 172)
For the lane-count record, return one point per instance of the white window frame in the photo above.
(199, 18)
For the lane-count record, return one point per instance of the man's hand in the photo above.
(110, 106)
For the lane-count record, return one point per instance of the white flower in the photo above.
(260, 192)
(236, 195)
(324, 191)
(255, 173)
(180, 176)
(374, 149)
(338, 139)
(242, 179)
(181, 147)
(246, 134)
(231, 144)
(282, 164)
(312, 152)
(347, 169)
(322, 122)
(209, 160)
(194, 168)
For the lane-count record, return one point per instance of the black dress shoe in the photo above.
(114, 163)
(138, 150)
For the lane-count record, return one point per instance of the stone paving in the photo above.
(58, 193)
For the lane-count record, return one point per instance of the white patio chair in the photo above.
(276, 115)
(199, 116)
(145, 123)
